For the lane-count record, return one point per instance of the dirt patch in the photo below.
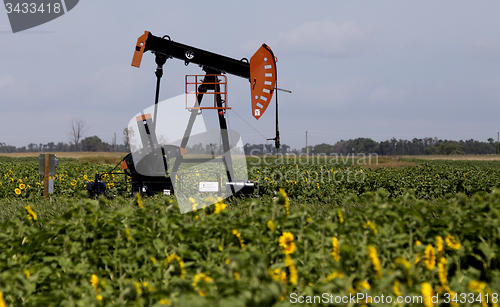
(455, 157)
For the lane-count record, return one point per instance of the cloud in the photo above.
(324, 39)
(114, 85)
(383, 95)
(72, 44)
(18, 93)
(487, 48)
(490, 83)
(7, 46)
(363, 93)
(7, 80)
(334, 93)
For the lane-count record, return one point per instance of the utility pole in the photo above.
(307, 148)
(498, 143)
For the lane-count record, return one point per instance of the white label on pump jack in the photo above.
(209, 186)
(257, 112)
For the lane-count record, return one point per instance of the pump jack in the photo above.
(261, 73)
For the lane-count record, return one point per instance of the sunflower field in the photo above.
(416, 236)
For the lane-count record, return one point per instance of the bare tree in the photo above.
(78, 129)
(113, 142)
(126, 138)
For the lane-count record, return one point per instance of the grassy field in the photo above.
(386, 161)
(93, 157)
(402, 227)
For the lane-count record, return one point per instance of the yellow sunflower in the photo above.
(240, 239)
(286, 241)
(452, 242)
(31, 213)
(395, 288)
(2, 301)
(427, 293)
(442, 273)
(439, 246)
(197, 279)
(173, 257)
(430, 257)
(283, 199)
(372, 255)
(293, 277)
(341, 218)
(336, 249)
(335, 274)
(219, 206)
(270, 225)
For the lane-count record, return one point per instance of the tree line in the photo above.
(423, 146)
(77, 142)
(92, 143)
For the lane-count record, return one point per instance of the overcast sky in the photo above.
(375, 69)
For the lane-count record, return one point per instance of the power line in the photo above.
(249, 124)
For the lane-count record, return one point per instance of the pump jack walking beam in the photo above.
(149, 42)
(260, 70)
